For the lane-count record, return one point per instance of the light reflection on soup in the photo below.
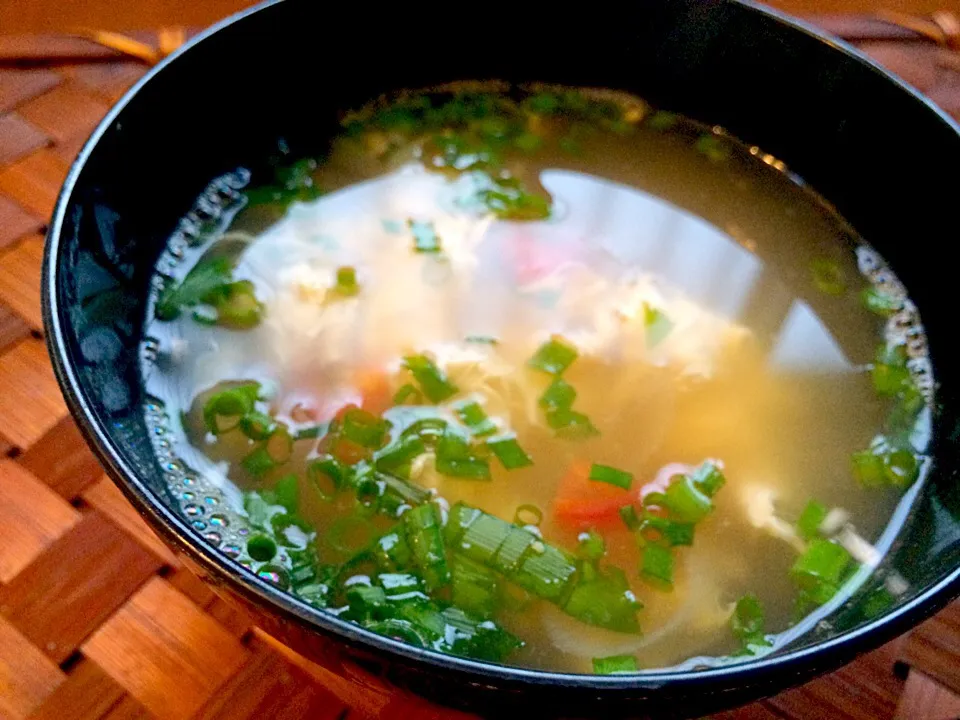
(479, 303)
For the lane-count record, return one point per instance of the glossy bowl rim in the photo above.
(175, 529)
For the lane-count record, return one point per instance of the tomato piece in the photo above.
(375, 390)
(582, 503)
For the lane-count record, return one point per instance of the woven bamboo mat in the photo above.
(98, 619)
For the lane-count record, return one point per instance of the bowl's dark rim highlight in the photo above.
(747, 673)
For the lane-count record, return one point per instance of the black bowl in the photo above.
(875, 148)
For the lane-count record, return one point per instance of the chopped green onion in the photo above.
(425, 238)
(657, 325)
(406, 491)
(369, 490)
(901, 468)
(747, 624)
(907, 407)
(543, 570)
(310, 433)
(432, 380)
(230, 405)
(546, 574)
(459, 519)
(811, 519)
(279, 445)
(708, 478)
(888, 380)
(867, 468)
(392, 552)
(590, 545)
(472, 415)
(454, 458)
(628, 513)
(303, 570)
(685, 501)
(604, 599)
(282, 522)
(611, 476)
(258, 462)
(364, 428)
(257, 509)
(261, 548)
(237, 306)
(877, 602)
(828, 277)
(366, 601)
(672, 532)
(475, 588)
(206, 277)
(400, 453)
(424, 532)
(713, 148)
(879, 302)
(407, 392)
(615, 663)
(484, 536)
(429, 429)
(559, 395)
(554, 356)
(287, 492)
(571, 425)
(509, 452)
(894, 355)
(528, 515)
(515, 203)
(483, 640)
(406, 631)
(657, 565)
(257, 425)
(512, 550)
(347, 284)
(820, 569)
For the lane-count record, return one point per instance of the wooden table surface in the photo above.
(24, 16)
(98, 619)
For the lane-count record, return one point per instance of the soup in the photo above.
(540, 376)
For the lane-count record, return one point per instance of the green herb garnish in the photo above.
(431, 379)
(509, 452)
(747, 624)
(615, 664)
(611, 476)
(554, 356)
(811, 519)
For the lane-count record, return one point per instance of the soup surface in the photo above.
(543, 377)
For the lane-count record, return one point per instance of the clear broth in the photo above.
(760, 369)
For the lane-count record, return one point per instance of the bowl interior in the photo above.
(872, 148)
